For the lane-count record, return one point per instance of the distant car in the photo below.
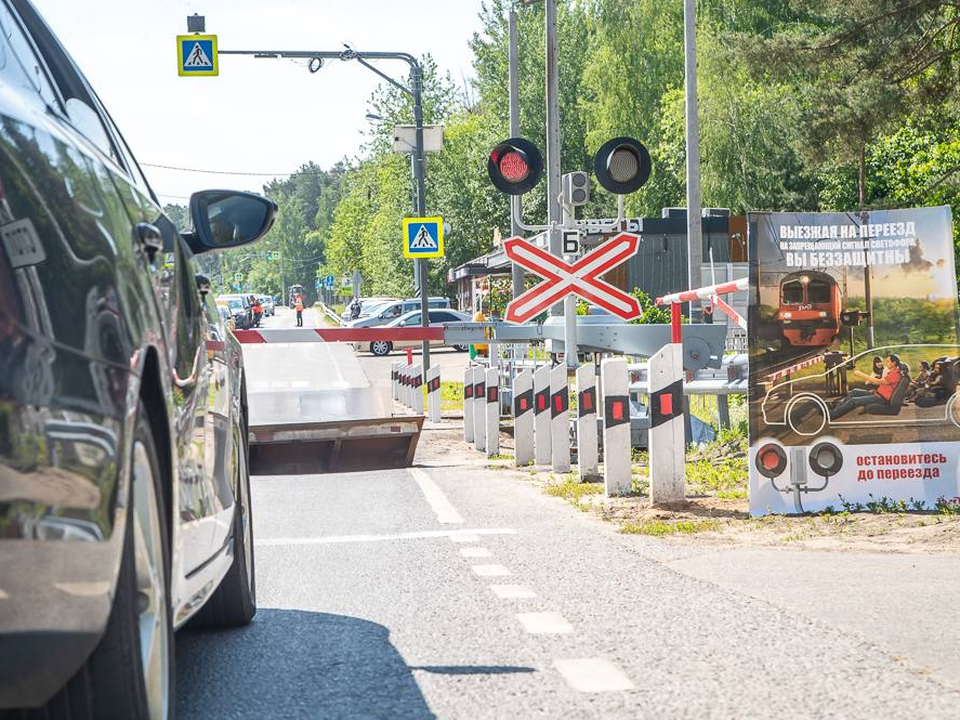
(226, 317)
(387, 312)
(412, 319)
(240, 310)
(124, 485)
(269, 308)
(368, 306)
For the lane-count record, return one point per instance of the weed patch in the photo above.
(660, 528)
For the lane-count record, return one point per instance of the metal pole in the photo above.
(418, 171)
(570, 307)
(516, 271)
(694, 229)
(553, 134)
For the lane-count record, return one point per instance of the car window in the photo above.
(19, 66)
(443, 317)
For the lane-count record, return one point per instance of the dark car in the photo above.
(124, 492)
(240, 310)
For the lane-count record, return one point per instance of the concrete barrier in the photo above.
(667, 475)
(523, 417)
(541, 415)
(433, 393)
(587, 452)
(468, 404)
(560, 419)
(416, 389)
(493, 411)
(480, 409)
(395, 380)
(617, 465)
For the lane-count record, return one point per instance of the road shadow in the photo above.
(296, 664)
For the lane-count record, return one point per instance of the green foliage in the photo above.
(652, 314)
(659, 528)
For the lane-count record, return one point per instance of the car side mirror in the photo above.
(225, 219)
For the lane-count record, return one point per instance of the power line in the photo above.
(229, 172)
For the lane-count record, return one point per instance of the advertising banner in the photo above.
(854, 361)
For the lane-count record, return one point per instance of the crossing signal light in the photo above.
(515, 166)
(622, 165)
(826, 459)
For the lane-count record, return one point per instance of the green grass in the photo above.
(727, 478)
(572, 490)
(451, 395)
(659, 528)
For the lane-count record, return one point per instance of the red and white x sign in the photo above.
(580, 278)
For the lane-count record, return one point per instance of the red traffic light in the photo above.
(771, 460)
(621, 165)
(515, 166)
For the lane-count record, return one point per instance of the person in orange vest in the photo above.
(257, 310)
(298, 306)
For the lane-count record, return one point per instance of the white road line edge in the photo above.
(445, 512)
(593, 675)
(474, 552)
(420, 535)
(490, 570)
(512, 591)
(544, 623)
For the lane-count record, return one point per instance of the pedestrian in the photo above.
(355, 308)
(298, 306)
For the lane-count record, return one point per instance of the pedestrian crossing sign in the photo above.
(197, 55)
(423, 237)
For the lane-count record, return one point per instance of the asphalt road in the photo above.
(452, 590)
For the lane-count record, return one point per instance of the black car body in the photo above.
(118, 382)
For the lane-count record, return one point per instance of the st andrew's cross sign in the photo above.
(580, 278)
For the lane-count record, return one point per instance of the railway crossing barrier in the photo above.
(492, 411)
(523, 418)
(559, 420)
(541, 415)
(587, 451)
(617, 465)
(468, 405)
(433, 393)
(479, 409)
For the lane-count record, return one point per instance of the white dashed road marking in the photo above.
(490, 570)
(593, 675)
(446, 513)
(544, 623)
(512, 591)
(454, 535)
(474, 552)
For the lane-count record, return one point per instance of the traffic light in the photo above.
(622, 165)
(515, 166)
(575, 188)
(853, 317)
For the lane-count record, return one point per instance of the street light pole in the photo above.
(516, 271)
(694, 224)
(415, 91)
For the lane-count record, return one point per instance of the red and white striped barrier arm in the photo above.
(293, 335)
(729, 311)
(793, 368)
(704, 293)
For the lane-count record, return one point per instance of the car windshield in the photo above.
(235, 304)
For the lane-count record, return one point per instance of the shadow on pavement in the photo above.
(292, 663)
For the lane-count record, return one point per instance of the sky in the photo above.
(261, 116)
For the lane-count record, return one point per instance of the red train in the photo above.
(809, 308)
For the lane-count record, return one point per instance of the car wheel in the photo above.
(461, 348)
(130, 672)
(807, 415)
(234, 602)
(380, 347)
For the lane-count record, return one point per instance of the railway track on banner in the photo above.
(779, 368)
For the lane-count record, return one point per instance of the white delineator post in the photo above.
(541, 414)
(480, 409)
(617, 468)
(523, 417)
(493, 411)
(395, 379)
(468, 404)
(417, 389)
(560, 419)
(587, 452)
(433, 393)
(667, 475)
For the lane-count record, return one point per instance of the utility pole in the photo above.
(516, 271)
(554, 218)
(416, 80)
(694, 225)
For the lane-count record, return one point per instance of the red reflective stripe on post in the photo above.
(617, 410)
(675, 336)
(666, 404)
(557, 403)
(587, 400)
(409, 356)
(541, 402)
